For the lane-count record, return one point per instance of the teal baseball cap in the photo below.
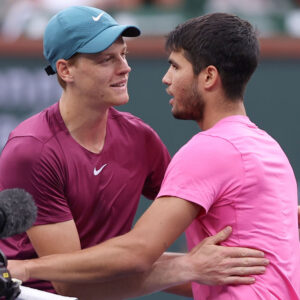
(81, 29)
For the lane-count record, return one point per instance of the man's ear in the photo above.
(210, 77)
(63, 70)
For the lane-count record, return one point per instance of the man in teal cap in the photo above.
(87, 164)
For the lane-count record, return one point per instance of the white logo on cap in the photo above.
(96, 19)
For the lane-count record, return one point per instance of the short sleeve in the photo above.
(29, 164)
(204, 171)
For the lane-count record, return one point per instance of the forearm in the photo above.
(165, 273)
(168, 276)
(128, 254)
(107, 261)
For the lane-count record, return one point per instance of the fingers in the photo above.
(219, 237)
(243, 252)
(241, 271)
(248, 262)
(240, 275)
(234, 280)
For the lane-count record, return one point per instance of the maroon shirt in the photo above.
(99, 191)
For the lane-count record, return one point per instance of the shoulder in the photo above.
(29, 157)
(209, 144)
(32, 140)
(131, 123)
(125, 117)
(134, 131)
(40, 127)
(209, 154)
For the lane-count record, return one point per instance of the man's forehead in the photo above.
(119, 40)
(176, 54)
(116, 47)
(118, 43)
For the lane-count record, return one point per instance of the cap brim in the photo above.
(106, 38)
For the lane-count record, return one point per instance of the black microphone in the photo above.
(17, 212)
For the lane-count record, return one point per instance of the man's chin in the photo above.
(179, 115)
(122, 102)
(185, 116)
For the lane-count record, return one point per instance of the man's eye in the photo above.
(104, 59)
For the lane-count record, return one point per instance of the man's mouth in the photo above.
(168, 92)
(119, 84)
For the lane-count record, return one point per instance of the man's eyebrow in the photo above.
(172, 62)
(124, 49)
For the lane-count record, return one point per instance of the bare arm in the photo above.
(63, 238)
(53, 239)
(133, 252)
(221, 267)
(139, 249)
(163, 274)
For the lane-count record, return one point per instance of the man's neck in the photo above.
(213, 115)
(86, 125)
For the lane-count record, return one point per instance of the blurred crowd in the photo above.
(28, 18)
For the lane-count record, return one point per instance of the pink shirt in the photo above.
(242, 178)
(100, 192)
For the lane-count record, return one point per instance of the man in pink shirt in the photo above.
(234, 172)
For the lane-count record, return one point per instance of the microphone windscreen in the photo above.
(19, 211)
